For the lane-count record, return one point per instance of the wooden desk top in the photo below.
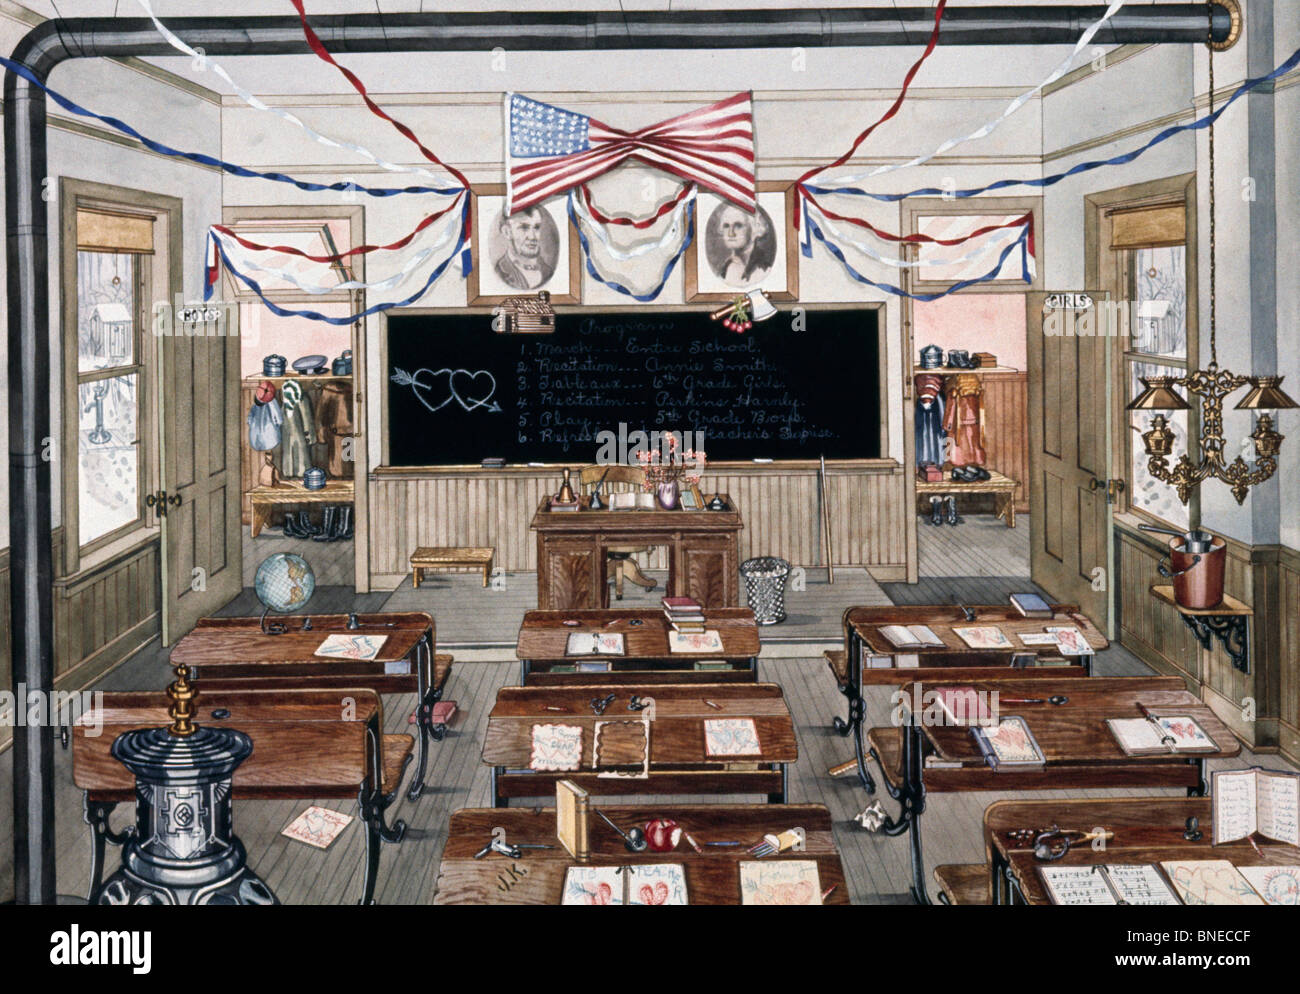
(994, 483)
(943, 618)
(712, 877)
(544, 636)
(585, 520)
(1147, 830)
(217, 642)
(676, 733)
(1075, 732)
(301, 738)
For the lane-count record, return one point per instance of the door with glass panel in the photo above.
(150, 419)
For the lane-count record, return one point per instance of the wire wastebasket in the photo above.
(765, 578)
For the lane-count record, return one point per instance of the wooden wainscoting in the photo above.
(1262, 707)
(778, 504)
(1288, 630)
(101, 617)
(1006, 429)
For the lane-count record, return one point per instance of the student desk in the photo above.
(679, 761)
(956, 662)
(1078, 746)
(544, 637)
(703, 556)
(227, 653)
(1147, 830)
(306, 746)
(712, 877)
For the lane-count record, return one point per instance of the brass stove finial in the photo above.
(181, 711)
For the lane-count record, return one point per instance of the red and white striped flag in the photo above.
(550, 149)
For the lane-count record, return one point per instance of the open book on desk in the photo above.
(1255, 801)
(594, 644)
(1107, 884)
(911, 637)
(1160, 734)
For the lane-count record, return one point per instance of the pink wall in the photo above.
(263, 333)
(976, 322)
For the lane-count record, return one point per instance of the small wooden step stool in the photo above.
(442, 557)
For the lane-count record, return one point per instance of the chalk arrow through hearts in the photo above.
(475, 390)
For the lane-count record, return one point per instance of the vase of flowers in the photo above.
(666, 472)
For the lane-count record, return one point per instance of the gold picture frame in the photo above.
(494, 278)
(705, 282)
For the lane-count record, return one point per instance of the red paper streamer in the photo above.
(893, 109)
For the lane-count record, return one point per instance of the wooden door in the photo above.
(202, 561)
(1069, 460)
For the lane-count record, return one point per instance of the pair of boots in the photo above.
(336, 524)
(969, 474)
(943, 509)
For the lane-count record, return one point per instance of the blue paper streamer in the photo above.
(1046, 181)
(18, 69)
(668, 269)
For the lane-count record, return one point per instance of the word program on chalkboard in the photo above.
(458, 392)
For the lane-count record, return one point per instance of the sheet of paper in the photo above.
(1187, 733)
(556, 747)
(731, 737)
(707, 641)
(1234, 805)
(654, 884)
(1278, 798)
(1076, 885)
(1011, 741)
(1278, 885)
(983, 637)
(782, 882)
(1071, 641)
(342, 645)
(317, 826)
(1210, 881)
(1037, 638)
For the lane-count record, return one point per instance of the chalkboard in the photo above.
(459, 392)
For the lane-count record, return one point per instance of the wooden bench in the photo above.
(451, 557)
(307, 745)
(963, 883)
(1002, 488)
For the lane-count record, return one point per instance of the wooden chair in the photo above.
(626, 478)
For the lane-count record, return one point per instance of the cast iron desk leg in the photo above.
(911, 799)
(1202, 787)
(524, 668)
(853, 691)
(427, 695)
(497, 800)
(780, 796)
(96, 815)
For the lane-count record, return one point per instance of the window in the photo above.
(106, 413)
(1151, 245)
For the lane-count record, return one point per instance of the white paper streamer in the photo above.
(670, 235)
(987, 129)
(993, 244)
(284, 115)
(244, 263)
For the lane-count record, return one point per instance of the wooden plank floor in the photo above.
(876, 867)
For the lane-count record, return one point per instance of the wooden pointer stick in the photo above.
(826, 524)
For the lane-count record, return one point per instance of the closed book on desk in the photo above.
(1031, 606)
(572, 809)
(1009, 745)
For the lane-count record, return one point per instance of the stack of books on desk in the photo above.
(684, 614)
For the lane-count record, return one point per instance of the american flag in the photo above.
(550, 149)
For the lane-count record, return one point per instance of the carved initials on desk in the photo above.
(511, 877)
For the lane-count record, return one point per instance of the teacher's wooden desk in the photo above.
(703, 552)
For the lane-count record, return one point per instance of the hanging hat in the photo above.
(265, 392)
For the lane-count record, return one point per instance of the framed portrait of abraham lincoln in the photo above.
(521, 253)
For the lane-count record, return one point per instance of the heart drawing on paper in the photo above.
(474, 390)
(656, 895)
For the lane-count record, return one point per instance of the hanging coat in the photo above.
(334, 424)
(929, 420)
(264, 421)
(964, 419)
(298, 431)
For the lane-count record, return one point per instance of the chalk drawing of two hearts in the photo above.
(470, 390)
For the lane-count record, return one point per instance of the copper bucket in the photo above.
(1197, 576)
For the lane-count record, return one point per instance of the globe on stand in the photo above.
(284, 583)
